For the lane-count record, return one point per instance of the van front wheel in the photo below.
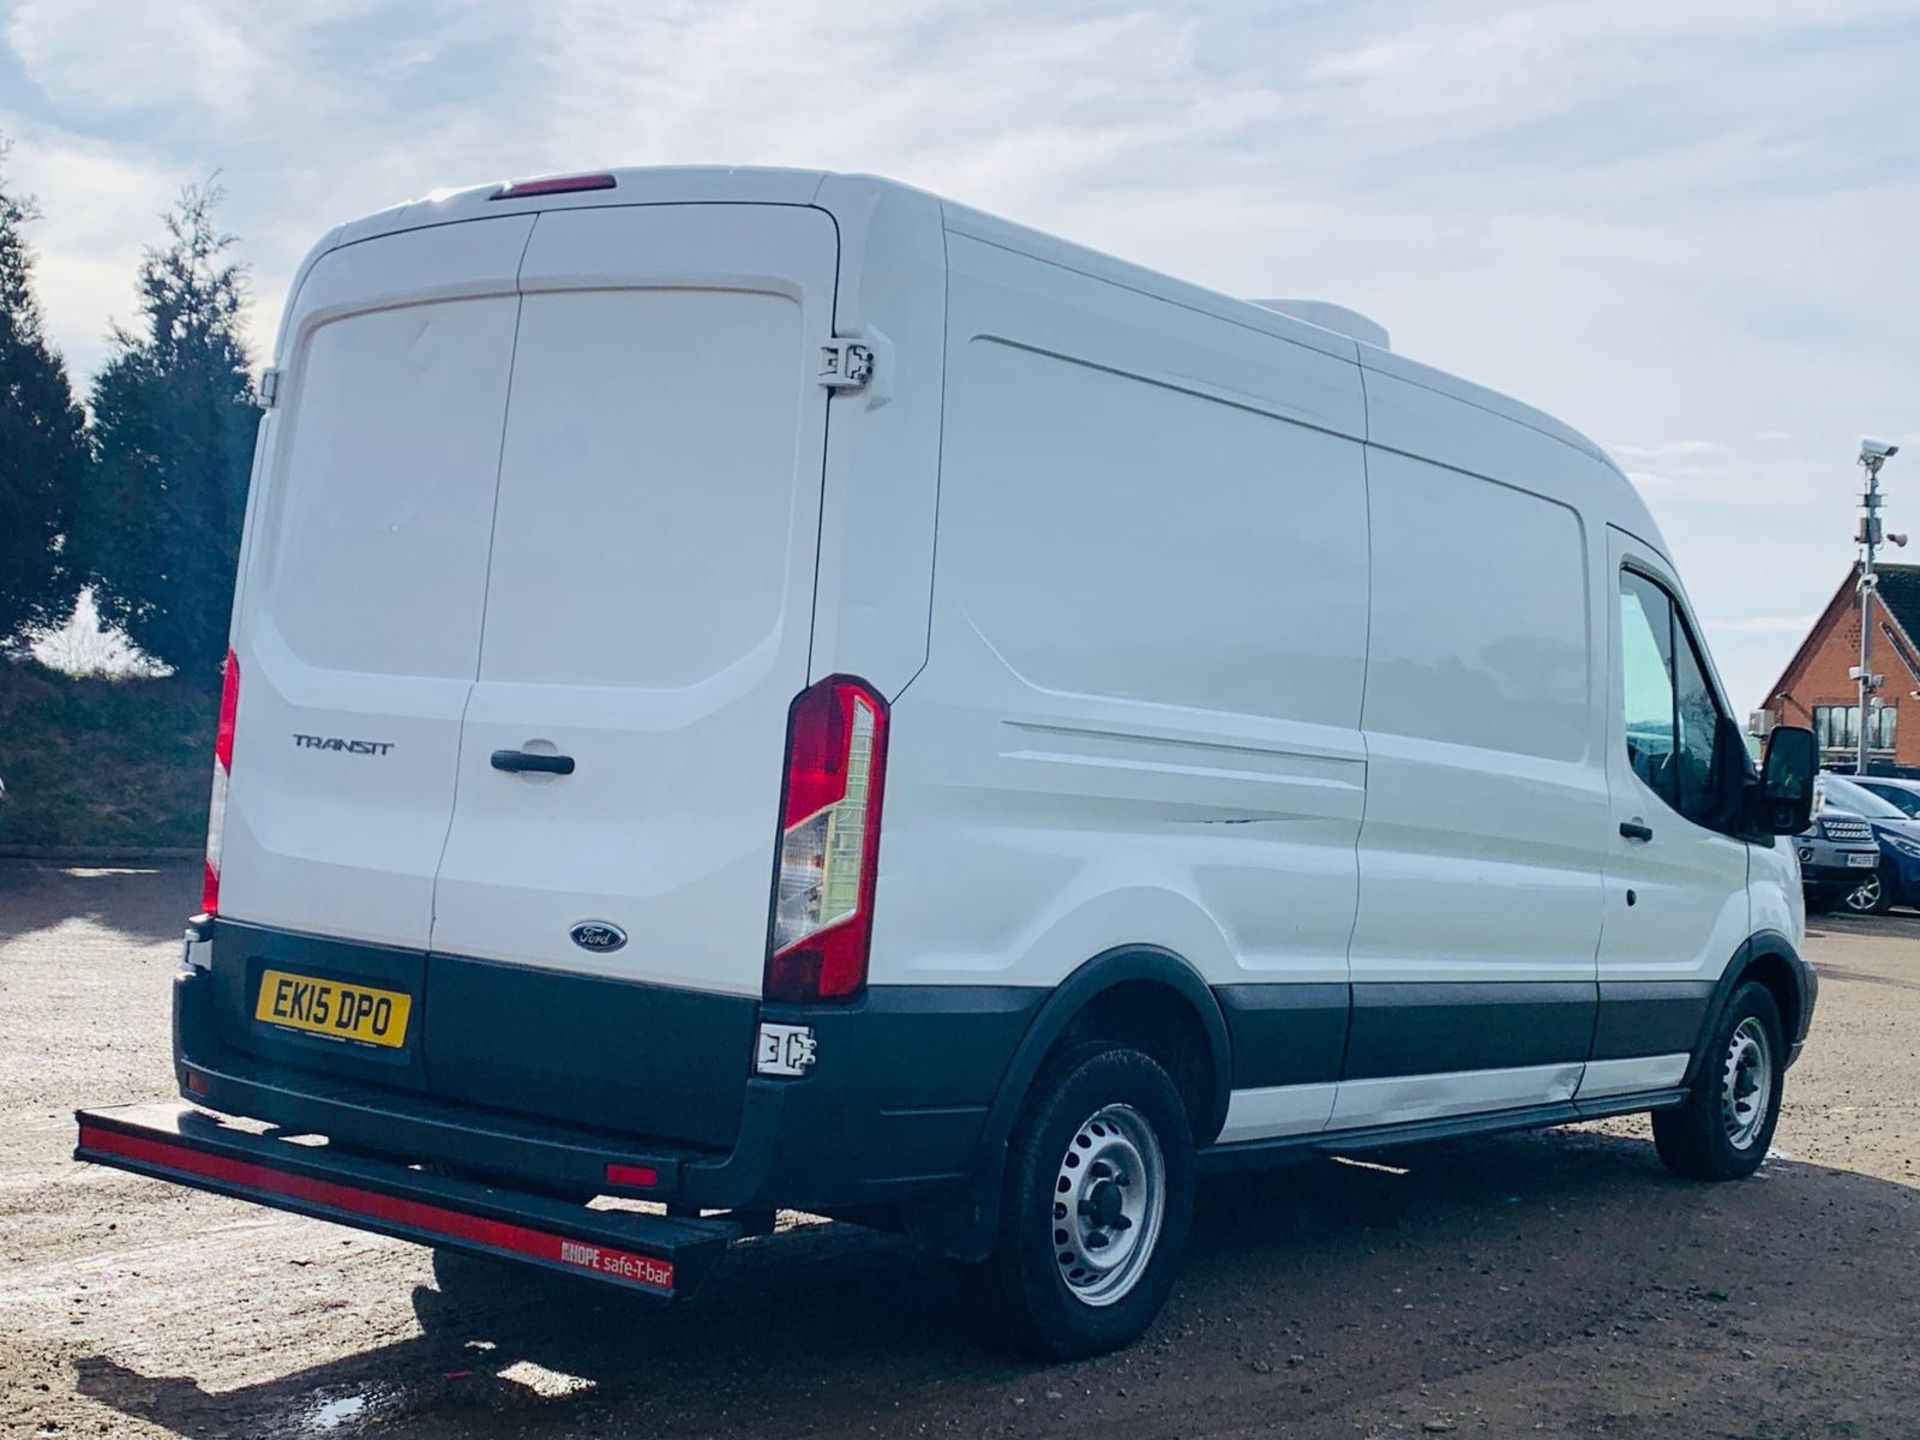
(1097, 1205)
(1723, 1129)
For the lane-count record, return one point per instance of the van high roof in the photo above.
(693, 184)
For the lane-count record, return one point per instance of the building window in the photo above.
(1837, 727)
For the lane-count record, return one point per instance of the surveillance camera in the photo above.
(1872, 450)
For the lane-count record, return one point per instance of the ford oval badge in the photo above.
(599, 936)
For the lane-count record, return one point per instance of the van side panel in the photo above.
(882, 477)
(1482, 855)
(1139, 723)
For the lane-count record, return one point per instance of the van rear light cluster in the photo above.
(222, 773)
(829, 851)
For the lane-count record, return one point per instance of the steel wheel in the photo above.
(1096, 1205)
(1864, 899)
(1108, 1203)
(1722, 1129)
(1746, 1085)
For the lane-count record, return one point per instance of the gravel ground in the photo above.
(1557, 1284)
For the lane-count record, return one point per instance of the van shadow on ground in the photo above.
(1327, 1284)
(142, 904)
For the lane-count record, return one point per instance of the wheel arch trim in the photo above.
(1761, 949)
(966, 1226)
(1120, 966)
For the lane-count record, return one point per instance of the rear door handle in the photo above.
(1634, 830)
(516, 762)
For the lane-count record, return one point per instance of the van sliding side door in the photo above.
(1485, 832)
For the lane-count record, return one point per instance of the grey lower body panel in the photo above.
(1304, 1034)
(545, 1079)
(1285, 1034)
(1253, 1154)
(1650, 1017)
(1433, 1028)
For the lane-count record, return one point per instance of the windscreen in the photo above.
(1840, 794)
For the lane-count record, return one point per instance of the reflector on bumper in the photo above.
(649, 1253)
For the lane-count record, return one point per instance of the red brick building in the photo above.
(1815, 690)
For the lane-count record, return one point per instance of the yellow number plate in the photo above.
(328, 1007)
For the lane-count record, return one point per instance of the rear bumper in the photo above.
(893, 1108)
(651, 1254)
(1816, 875)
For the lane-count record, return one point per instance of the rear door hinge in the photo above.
(269, 391)
(846, 364)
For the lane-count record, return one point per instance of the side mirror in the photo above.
(1786, 780)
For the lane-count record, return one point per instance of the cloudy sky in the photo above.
(1689, 227)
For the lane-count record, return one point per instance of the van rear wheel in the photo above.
(1097, 1204)
(1723, 1129)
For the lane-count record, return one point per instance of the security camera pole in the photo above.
(1873, 454)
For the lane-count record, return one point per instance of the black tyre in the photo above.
(1873, 896)
(1723, 1130)
(1819, 902)
(1097, 1205)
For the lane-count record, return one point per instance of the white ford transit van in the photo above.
(763, 689)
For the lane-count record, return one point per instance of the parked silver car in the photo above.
(1839, 863)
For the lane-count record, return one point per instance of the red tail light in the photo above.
(829, 852)
(222, 772)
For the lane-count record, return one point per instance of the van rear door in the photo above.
(648, 616)
(359, 627)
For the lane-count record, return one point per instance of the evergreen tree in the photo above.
(43, 442)
(174, 421)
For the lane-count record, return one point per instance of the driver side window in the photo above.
(1646, 651)
(1671, 713)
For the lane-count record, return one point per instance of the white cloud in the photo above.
(98, 204)
(108, 56)
(1682, 227)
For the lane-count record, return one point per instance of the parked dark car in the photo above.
(1897, 880)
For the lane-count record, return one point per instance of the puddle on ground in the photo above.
(332, 1414)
